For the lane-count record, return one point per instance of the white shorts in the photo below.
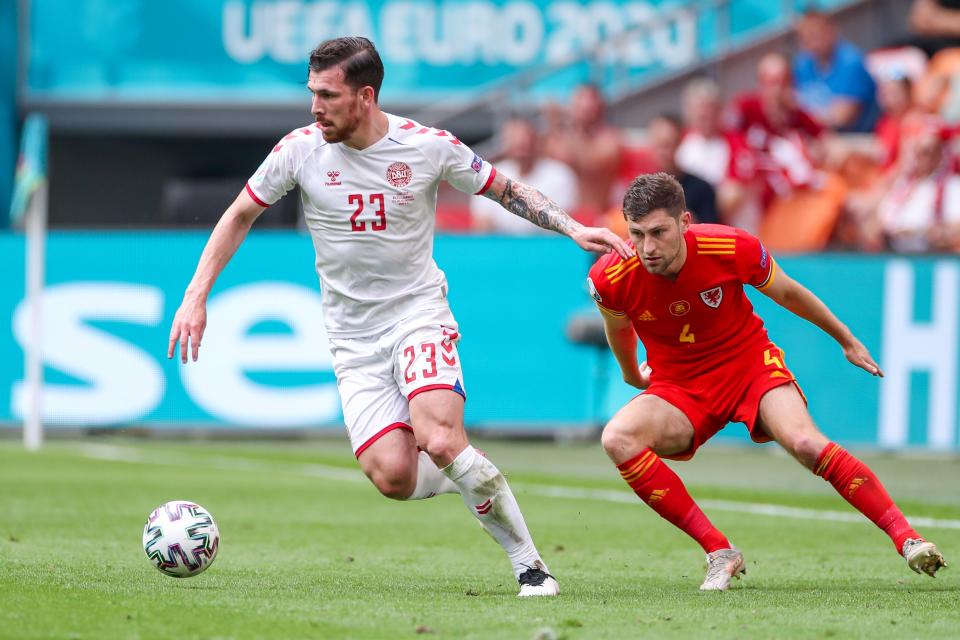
(378, 375)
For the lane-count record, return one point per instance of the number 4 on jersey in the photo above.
(774, 357)
(376, 200)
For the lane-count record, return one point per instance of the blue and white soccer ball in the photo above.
(181, 539)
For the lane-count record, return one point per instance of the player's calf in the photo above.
(858, 484)
(488, 497)
(430, 480)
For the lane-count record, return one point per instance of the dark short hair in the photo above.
(357, 57)
(652, 191)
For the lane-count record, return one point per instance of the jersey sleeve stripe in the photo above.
(708, 239)
(255, 197)
(486, 185)
(612, 271)
(716, 252)
(620, 275)
(770, 276)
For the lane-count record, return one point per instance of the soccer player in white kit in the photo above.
(368, 182)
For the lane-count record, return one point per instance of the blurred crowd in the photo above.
(834, 148)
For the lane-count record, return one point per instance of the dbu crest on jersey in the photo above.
(712, 297)
(399, 174)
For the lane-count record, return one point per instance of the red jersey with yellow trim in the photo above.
(700, 321)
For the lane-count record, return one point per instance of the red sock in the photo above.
(662, 489)
(860, 487)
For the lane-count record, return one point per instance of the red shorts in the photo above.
(729, 393)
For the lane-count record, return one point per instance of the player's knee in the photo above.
(806, 447)
(394, 481)
(444, 442)
(619, 438)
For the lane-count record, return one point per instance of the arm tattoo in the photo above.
(529, 203)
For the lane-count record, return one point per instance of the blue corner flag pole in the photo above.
(31, 166)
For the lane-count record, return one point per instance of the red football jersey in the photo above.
(700, 321)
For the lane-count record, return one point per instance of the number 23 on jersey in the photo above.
(376, 201)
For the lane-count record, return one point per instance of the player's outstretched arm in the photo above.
(796, 298)
(191, 318)
(528, 203)
(622, 338)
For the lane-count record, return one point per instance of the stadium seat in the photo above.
(805, 220)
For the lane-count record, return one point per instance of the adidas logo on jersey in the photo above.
(646, 316)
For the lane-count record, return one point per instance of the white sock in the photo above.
(486, 494)
(430, 482)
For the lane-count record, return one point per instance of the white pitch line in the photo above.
(753, 508)
(134, 455)
(131, 454)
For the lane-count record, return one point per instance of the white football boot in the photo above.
(722, 565)
(922, 556)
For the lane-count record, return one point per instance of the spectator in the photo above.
(896, 102)
(586, 142)
(783, 138)
(522, 160)
(921, 211)
(802, 203)
(718, 154)
(664, 133)
(869, 173)
(936, 23)
(831, 77)
(938, 90)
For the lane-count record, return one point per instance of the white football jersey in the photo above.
(371, 214)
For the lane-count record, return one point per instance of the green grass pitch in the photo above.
(310, 550)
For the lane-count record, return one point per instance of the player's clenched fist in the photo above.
(187, 329)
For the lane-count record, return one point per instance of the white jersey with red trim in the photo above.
(371, 214)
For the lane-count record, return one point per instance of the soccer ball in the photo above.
(181, 539)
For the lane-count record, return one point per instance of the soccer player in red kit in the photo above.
(710, 362)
